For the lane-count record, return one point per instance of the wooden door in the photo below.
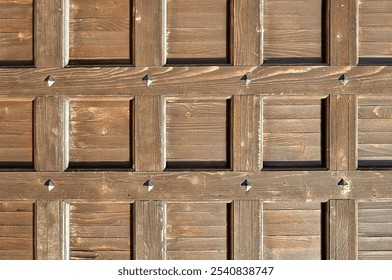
(184, 129)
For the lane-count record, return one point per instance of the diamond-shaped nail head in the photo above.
(148, 80)
(149, 185)
(49, 184)
(343, 79)
(246, 79)
(246, 185)
(49, 81)
(343, 184)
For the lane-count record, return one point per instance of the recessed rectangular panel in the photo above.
(197, 133)
(16, 231)
(16, 134)
(100, 133)
(197, 31)
(375, 31)
(375, 230)
(375, 132)
(100, 231)
(293, 31)
(16, 32)
(197, 231)
(292, 231)
(293, 132)
(100, 31)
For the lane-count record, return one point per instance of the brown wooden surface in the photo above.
(199, 228)
(100, 31)
(150, 230)
(100, 231)
(16, 231)
(51, 133)
(16, 32)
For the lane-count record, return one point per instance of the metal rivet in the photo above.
(246, 185)
(343, 79)
(343, 184)
(149, 185)
(49, 81)
(246, 79)
(49, 184)
(147, 80)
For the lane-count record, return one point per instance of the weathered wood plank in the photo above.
(100, 255)
(113, 219)
(247, 230)
(16, 255)
(342, 225)
(149, 33)
(343, 24)
(51, 230)
(150, 230)
(196, 244)
(149, 143)
(196, 231)
(246, 130)
(291, 247)
(51, 133)
(51, 33)
(192, 255)
(100, 207)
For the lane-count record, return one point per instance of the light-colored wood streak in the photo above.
(100, 230)
(100, 30)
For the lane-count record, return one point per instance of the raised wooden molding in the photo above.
(150, 230)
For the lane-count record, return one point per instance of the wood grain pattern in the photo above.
(16, 133)
(374, 34)
(150, 230)
(293, 31)
(247, 230)
(92, 35)
(342, 227)
(292, 231)
(51, 133)
(101, 231)
(100, 133)
(16, 231)
(285, 127)
(374, 230)
(201, 243)
(16, 32)
(343, 42)
(51, 230)
(197, 133)
(207, 21)
(374, 148)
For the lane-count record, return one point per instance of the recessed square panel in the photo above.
(197, 31)
(16, 134)
(293, 31)
(375, 132)
(375, 33)
(293, 132)
(197, 231)
(16, 32)
(100, 133)
(100, 32)
(197, 133)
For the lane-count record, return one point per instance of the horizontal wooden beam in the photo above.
(188, 81)
(266, 186)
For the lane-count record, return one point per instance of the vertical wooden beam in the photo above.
(51, 35)
(247, 32)
(51, 133)
(51, 230)
(247, 230)
(149, 133)
(342, 237)
(247, 133)
(150, 230)
(342, 132)
(149, 32)
(343, 25)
